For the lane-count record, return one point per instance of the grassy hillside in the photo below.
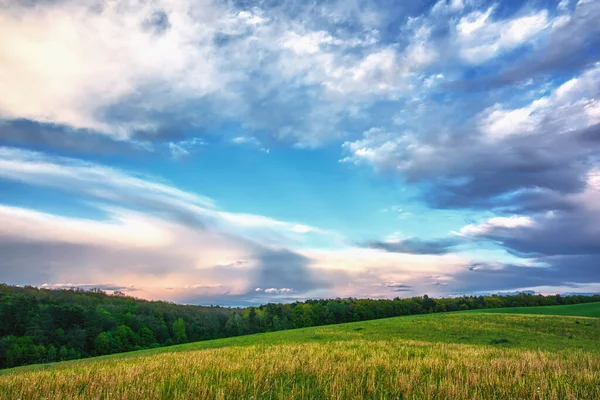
(582, 310)
(457, 355)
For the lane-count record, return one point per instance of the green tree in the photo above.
(103, 343)
(63, 354)
(235, 325)
(302, 315)
(124, 338)
(51, 353)
(277, 325)
(14, 355)
(146, 337)
(253, 320)
(179, 333)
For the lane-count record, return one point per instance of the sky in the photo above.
(240, 152)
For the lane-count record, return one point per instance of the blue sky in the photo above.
(244, 152)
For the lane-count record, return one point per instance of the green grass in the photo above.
(452, 355)
(582, 310)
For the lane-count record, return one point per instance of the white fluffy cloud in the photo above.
(573, 105)
(514, 221)
(570, 107)
(481, 39)
(66, 63)
(123, 68)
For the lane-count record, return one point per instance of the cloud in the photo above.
(160, 258)
(559, 271)
(90, 179)
(184, 147)
(374, 273)
(304, 75)
(45, 136)
(168, 78)
(141, 71)
(527, 154)
(480, 39)
(545, 147)
(275, 290)
(158, 22)
(417, 246)
(492, 224)
(559, 248)
(219, 257)
(572, 231)
(251, 141)
(175, 261)
(81, 59)
(569, 43)
(102, 69)
(173, 239)
(111, 189)
(399, 287)
(285, 269)
(124, 229)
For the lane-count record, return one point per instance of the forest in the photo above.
(40, 325)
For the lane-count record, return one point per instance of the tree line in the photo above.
(42, 325)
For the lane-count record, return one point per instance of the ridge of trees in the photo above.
(40, 325)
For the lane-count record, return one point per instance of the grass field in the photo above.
(581, 310)
(456, 355)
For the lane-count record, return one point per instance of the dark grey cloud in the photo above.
(280, 276)
(303, 115)
(573, 232)
(35, 263)
(533, 201)
(167, 139)
(417, 246)
(285, 269)
(569, 48)
(158, 22)
(570, 271)
(177, 122)
(44, 136)
(565, 242)
(520, 173)
(66, 265)
(40, 3)
(399, 287)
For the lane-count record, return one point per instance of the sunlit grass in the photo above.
(456, 356)
(582, 310)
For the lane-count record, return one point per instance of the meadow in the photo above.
(581, 310)
(464, 355)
